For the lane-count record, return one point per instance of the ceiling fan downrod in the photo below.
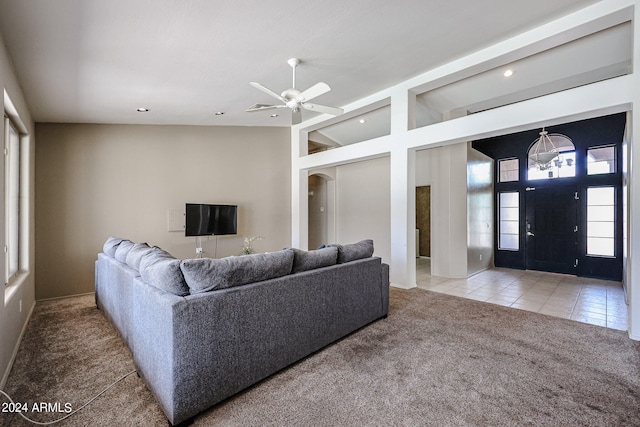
(293, 63)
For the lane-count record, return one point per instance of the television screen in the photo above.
(225, 219)
(206, 220)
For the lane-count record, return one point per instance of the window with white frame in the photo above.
(509, 221)
(508, 170)
(12, 199)
(601, 221)
(601, 160)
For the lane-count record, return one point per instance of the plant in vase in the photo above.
(247, 248)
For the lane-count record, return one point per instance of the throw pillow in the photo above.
(160, 269)
(354, 251)
(111, 245)
(309, 260)
(207, 274)
(137, 251)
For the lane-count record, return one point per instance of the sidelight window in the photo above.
(509, 221)
(601, 221)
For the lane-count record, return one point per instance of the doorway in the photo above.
(551, 225)
(423, 221)
(317, 211)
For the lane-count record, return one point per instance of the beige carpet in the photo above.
(437, 360)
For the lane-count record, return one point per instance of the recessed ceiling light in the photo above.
(508, 73)
(219, 113)
(142, 110)
(362, 120)
(273, 115)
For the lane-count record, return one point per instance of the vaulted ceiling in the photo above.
(97, 61)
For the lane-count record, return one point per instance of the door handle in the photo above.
(530, 234)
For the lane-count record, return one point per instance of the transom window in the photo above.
(508, 170)
(601, 160)
(551, 156)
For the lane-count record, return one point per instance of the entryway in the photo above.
(560, 209)
(597, 302)
(551, 229)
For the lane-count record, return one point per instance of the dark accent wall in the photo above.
(607, 130)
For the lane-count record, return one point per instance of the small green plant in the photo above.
(247, 248)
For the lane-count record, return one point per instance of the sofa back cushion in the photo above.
(309, 260)
(354, 251)
(207, 274)
(123, 249)
(137, 251)
(161, 270)
(111, 245)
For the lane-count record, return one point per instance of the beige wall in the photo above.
(363, 204)
(94, 181)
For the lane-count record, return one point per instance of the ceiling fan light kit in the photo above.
(294, 99)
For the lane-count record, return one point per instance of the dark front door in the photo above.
(551, 224)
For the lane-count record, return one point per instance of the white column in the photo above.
(402, 188)
(403, 221)
(299, 192)
(633, 262)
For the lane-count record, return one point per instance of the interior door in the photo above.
(423, 219)
(551, 229)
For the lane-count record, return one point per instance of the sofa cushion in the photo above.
(160, 269)
(123, 249)
(137, 251)
(309, 260)
(354, 251)
(207, 274)
(111, 245)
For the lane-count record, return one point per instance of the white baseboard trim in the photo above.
(395, 285)
(5, 376)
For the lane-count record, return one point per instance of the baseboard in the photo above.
(395, 285)
(5, 376)
(66, 296)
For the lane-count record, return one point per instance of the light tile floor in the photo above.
(597, 302)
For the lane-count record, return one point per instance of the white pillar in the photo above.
(633, 261)
(402, 188)
(299, 192)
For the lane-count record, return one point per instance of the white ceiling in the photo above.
(96, 61)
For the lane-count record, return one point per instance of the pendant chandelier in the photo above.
(546, 151)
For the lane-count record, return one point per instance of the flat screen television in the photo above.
(207, 220)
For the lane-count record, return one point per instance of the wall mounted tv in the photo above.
(208, 220)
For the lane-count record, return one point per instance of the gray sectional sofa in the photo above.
(201, 330)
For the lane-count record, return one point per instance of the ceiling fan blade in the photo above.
(323, 109)
(296, 116)
(267, 91)
(260, 107)
(315, 90)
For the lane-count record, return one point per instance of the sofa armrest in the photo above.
(153, 341)
(385, 288)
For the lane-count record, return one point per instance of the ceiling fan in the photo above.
(295, 99)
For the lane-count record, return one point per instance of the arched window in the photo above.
(551, 156)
